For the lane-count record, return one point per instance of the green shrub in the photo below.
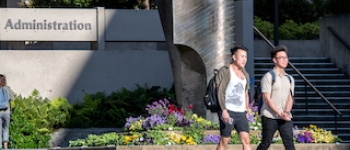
(289, 30)
(34, 118)
(264, 27)
(101, 110)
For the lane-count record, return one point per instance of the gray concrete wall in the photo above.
(133, 25)
(71, 74)
(12, 3)
(296, 48)
(330, 45)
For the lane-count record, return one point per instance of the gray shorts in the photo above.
(240, 123)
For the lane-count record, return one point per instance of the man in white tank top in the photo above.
(233, 84)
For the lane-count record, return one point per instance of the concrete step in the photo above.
(297, 65)
(325, 93)
(322, 124)
(319, 117)
(313, 76)
(319, 105)
(325, 112)
(317, 98)
(318, 81)
(294, 59)
(302, 70)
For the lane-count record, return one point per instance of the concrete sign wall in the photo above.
(72, 74)
(18, 24)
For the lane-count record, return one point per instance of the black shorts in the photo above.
(240, 123)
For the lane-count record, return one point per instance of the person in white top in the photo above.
(233, 84)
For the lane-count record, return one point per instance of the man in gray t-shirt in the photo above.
(278, 102)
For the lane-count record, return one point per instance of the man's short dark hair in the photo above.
(234, 50)
(277, 49)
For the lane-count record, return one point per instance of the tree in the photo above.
(120, 4)
(300, 11)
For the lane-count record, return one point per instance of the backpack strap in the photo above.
(273, 77)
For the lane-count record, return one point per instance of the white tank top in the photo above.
(235, 93)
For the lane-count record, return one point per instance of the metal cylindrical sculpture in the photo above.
(199, 35)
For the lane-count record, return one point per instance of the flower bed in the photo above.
(170, 125)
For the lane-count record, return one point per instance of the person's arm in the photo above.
(246, 100)
(10, 92)
(288, 108)
(219, 77)
(289, 104)
(268, 101)
(290, 100)
(266, 90)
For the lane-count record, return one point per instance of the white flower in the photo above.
(170, 128)
(141, 139)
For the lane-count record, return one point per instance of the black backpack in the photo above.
(211, 99)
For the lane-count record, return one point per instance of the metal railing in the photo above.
(307, 83)
(338, 37)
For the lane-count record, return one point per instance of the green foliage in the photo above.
(290, 30)
(94, 140)
(101, 110)
(123, 4)
(300, 11)
(194, 130)
(57, 3)
(264, 27)
(34, 118)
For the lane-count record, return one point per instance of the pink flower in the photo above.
(182, 111)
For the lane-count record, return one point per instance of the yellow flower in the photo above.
(177, 141)
(127, 138)
(132, 128)
(194, 116)
(134, 137)
(175, 137)
(183, 138)
(200, 119)
(189, 140)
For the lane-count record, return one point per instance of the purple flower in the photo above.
(295, 129)
(155, 120)
(158, 107)
(251, 118)
(304, 138)
(211, 139)
(301, 138)
(130, 120)
(255, 108)
(308, 136)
